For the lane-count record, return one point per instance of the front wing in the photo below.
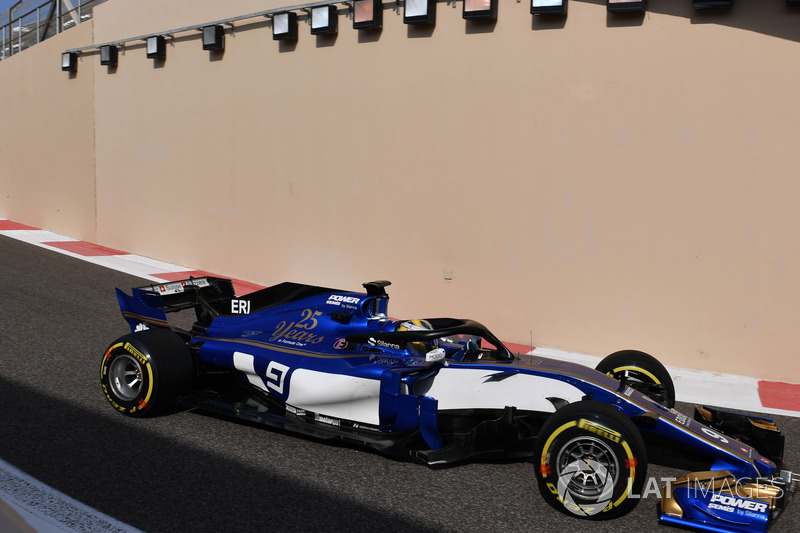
(718, 501)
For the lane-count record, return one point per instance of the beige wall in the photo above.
(47, 139)
(597, 183)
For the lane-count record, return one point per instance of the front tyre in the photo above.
(142, 373)
(642, 372)
(591, 461)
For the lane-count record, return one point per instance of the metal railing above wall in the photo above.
(29, 22)
(230, 20)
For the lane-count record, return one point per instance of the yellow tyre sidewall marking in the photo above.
(549, 441)
(145, 363)
(623, 443)
(106, 357)
(631, 470)
(636, 369)
(146, 400)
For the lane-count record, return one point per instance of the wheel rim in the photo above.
(125, 377)
(588, 470)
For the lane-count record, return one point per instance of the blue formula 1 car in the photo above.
(331, 364)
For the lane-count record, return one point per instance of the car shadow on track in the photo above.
(155, 484)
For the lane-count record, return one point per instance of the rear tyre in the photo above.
(590, 460)
(643, 372)
(142, 373)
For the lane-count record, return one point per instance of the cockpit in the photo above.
(436, 339)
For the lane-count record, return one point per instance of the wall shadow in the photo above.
(768, 18)
(548, 22)
(624, 20)
(370, 36)
(479, 26)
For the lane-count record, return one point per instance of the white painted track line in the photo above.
(31, 506)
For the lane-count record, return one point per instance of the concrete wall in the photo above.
(594, 183)
(47, 139)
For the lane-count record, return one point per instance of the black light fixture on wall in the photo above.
(419, 12)
(213, 37)
(156, 47)
(367, 14)
(284, 26)
(109, 55)
(549, 7)
(69, 61)
(480, 9)
(324, 20)
(625, 6)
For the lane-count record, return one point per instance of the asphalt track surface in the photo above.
(186, 471)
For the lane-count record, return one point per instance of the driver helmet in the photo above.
(419, 325)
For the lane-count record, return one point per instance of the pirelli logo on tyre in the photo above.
(136, 353)
(600, 430)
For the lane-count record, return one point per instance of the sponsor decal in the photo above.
(141, 326)
(383, 344)
(340, 344)
(724, 502)
(177, 287)
(381, 360)
(765, 461)
(240, 307)
(298, 333)
(359, 425)
(339, 300)
(327, 420)
(295, 411)
(682, 419)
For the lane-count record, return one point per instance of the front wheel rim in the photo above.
(588, 469)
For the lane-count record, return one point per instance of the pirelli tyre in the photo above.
(144, 372)
(641, 371)
(591, 461)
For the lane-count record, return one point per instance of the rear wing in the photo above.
(148, 305)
